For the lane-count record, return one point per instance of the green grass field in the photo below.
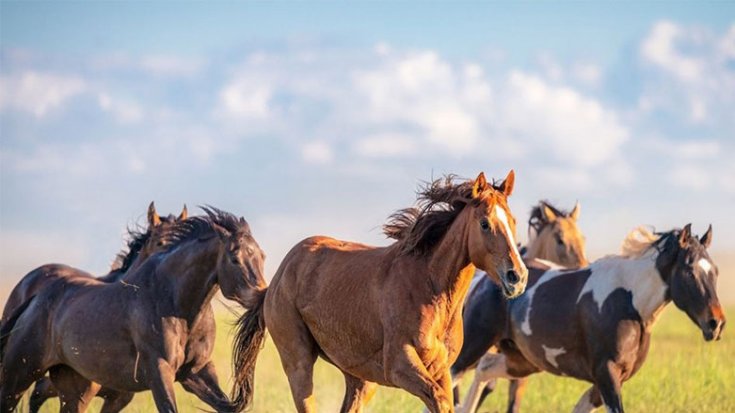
(682, 374)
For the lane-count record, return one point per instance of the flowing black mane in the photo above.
(537, 220)
(125, 258)
(203, 226)
(418, 229)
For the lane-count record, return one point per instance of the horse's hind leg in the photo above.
(357, 393)
(75, 391)
(589, 401)
(42, 391)
(205, 386)
(20, 368)
(515, 393)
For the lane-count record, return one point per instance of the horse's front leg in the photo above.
(405, 369)
(161, 378)
(205, 385)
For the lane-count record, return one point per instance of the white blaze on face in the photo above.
(705, 265)
(503, 218)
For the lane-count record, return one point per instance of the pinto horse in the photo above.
(390, 315)
(131, 336)
(594, 323)
(140, 246)
(554, 236)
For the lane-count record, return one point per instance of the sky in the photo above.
(323, 118)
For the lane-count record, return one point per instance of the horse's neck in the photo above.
(450, 268)
(190, 271)
(638, 275)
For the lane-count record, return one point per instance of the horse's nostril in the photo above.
(512, 277)
(713, 324)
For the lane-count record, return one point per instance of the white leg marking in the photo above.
(552, 354)
(584, 405)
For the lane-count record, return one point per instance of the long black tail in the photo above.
(248, 343)
(7, 327)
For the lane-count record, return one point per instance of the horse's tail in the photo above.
(248, 342)
(7, 327)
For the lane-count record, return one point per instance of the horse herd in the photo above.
(451, 294)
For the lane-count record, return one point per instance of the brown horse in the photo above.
(389, 315)
(140, 246)
(131, 336)
(554, 237)
(595, 323)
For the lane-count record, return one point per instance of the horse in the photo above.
(140, 245)
(132, 336)
(594, 324)
(554, 236)
(385, 315)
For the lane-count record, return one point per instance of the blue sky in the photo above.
(321, 118)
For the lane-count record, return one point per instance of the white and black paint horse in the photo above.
(594, 324)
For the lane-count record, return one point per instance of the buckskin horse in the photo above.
(385, 315)
(140, 245)
(130, 336)
(555, 237)
(594, 323)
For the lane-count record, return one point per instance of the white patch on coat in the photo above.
(503, 218)
(639, 276)
(705, 265)
(552, 353)
(528, 297)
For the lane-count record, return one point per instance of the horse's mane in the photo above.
(203, 226)
(642, 240)
(418, 229)
(537, 220)
(137, 238)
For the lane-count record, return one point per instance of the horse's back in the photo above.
(37, 280)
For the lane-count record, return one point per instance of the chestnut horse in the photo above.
(554, 237)
(140, 246)
(385, 315)
(132, 336)
(594, 323)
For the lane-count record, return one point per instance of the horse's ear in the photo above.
(684, 236)
(706, 239)
(576, 211)
(153, 218)
(479, 185)
(507, 186)
(549, 213)
(184, 214)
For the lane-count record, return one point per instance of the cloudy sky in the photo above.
(323, 118)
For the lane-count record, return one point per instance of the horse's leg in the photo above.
(491, 367)
(161, 382)
(589, 401)
(75, 392)
(357, 393)
(20, 367)
(607, 379)
(115, 401)
(486, 391)
(516, 389)
(406, 370)
(205, 386)
(42, 391)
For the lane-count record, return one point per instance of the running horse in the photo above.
(385, 315)
(140, 246)
(130, 336)
(594, 324)
(554, 236)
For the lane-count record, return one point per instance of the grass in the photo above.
(682, 374)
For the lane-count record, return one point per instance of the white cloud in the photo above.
(37, 92)
(589, 74)
(317, 152)
(660, 49)
(247, 97)
(386, 145)
(690, 176)
(124, 111)
(163, 65)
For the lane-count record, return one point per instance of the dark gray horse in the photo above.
(136, 335)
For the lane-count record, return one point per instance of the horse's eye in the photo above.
(484, 224)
